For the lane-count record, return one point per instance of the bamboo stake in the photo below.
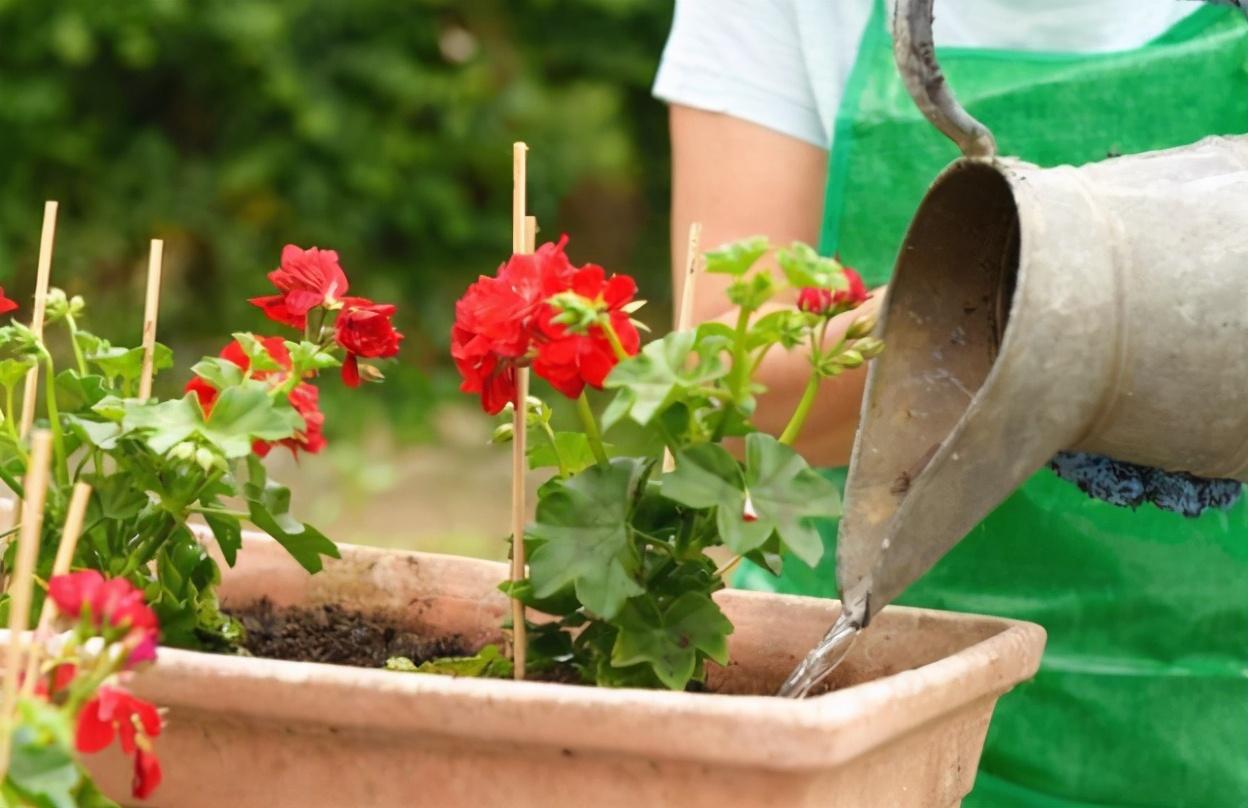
(684, 317)
(44, 271)
(521, 228)
(60, 566)
(150, 309)
(36, 485)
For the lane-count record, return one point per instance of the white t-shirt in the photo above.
(783, 64)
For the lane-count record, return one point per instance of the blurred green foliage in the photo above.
(379, 128)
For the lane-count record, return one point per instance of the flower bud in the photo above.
(205, 458)
(869, 347)
(183, 451)
(862, 326)
(503, 433)
(814, 301)
(849, 358)
(57, 305)
(77, 306)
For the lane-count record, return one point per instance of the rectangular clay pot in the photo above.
(904, 727)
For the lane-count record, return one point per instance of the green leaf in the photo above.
(488, 663)
(76, 393)
(670, 641)
(42, 768)
(784, 494)
(229, 535)
(788, 327)
(752, 293)
(737, 257)
(661, 375)
(13, 370)
(581, 535)
(804, 267)
(573, 449)
(127, 363)
(308, 357)
(220, 373)
(241, 415)
(304, 542)
(102, 434)
(562, 602)
(257, 354)
(246, 413)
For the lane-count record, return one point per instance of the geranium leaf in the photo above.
(308, 357)
(246, 413)
(165, 424)
(784, 494)
(127, 363)
(228, 533)
(670, 640)
(101, 434)
(14, 370)
(803, 267)
(257, 354)
(75, 393)
(581, 535)
(488, 663)
(220, 373)
(737, 257)
(706, 476)
(787, 327)
(573, 448)
(306, 544)
(661, 375)
(788, 494)
(42, 768)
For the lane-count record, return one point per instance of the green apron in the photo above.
(1142, 697)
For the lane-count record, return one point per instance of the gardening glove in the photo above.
(1129, 486)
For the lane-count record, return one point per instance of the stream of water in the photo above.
(829, 653)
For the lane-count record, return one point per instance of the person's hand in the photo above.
(1129, 486)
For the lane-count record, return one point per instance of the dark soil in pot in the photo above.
(338, 636)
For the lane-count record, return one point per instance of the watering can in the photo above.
(1099, 309)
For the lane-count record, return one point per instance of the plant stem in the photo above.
(73, 340)
(794, 427)
(217, 511)
(12, 483)
(554, 447)
(10, 424)
(54, 421)
(604, 322)
(740, 375)
(590, 425)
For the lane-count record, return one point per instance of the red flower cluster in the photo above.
(508, 321)
(6, 305)
(364, 329)
(827, 301)
(311, 279)
(110, 604)
(115, 713)
(304, 397)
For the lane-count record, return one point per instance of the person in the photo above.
(788, 120)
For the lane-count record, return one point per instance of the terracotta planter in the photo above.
(905, 727)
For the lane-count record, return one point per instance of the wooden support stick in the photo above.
(23, 580)
(150, 309)
(684, 317)
(520, 244)
(60, 566)
(30, 392)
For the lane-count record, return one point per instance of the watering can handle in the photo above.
(915, 54)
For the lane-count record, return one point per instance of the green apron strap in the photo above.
(1142, 697)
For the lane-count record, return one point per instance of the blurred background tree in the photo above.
(379, 128)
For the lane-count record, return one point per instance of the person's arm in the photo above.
(740, 179)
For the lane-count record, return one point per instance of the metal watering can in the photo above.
(1034, 310)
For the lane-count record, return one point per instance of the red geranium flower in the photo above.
(855, 295)
(115, 713)
(826, 301)
(306, 279)
(111, 603)
(6, 305)
(364, 329)
(570, 360)
(304, 398)
(147, 774)
(496, 321)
